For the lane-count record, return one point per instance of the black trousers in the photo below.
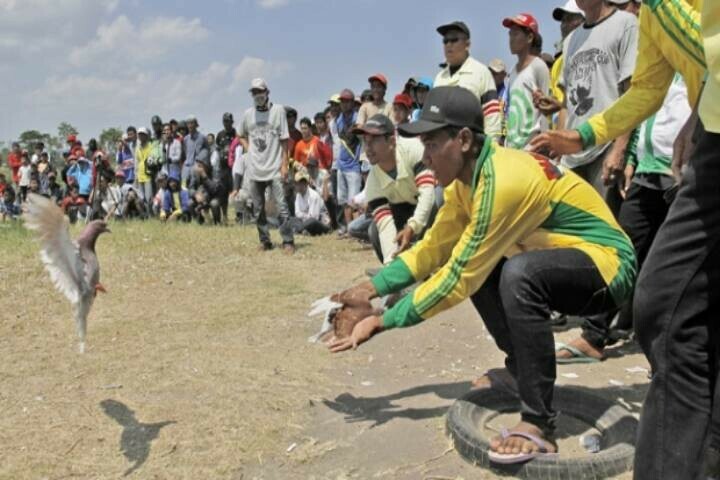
(677, 318)
(515, 303)
(641, 215)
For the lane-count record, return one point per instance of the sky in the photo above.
(113, 63)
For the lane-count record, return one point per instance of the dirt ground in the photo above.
(198, 366)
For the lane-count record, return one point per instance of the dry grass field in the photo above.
(198, 367)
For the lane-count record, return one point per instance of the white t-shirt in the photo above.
(524, 120)
(25, 173)
(265, 130)
(596, 60)
(311, 205)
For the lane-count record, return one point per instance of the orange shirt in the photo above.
(314, 148)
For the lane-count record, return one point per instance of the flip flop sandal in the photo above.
(513, 458)
(577, 355)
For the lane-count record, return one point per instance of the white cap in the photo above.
(143, 130)
(258, 84)
(497, 65)
(569, 7)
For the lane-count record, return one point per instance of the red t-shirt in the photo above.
(14, 162)
(69, 202)
(314, 148)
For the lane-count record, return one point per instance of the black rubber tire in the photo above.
(616, 424)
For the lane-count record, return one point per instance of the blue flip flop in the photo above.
(512, 458)
(577, 355)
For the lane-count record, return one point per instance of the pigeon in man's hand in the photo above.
(73, 265)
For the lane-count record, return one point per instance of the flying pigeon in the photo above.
(73, 265)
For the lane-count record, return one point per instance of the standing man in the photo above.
(14, 160)
(676, 303)
(349, 179)
(171, 153)
(156, 124)
(529, 75)
(378, 88)
(196, 149)
(143, 151)
(264, 133)
(462, 70)
(223, 140)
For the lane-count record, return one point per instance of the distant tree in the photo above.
(65, 129)
(29, 138)
(109, 139)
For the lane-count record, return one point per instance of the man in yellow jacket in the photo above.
(518, 236)
(676, 306)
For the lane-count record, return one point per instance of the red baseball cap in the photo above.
(347, 94)
(404, 100)
(71, 139)
(522, 20)
(380, 78)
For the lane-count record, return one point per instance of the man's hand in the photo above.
(557, 142)
(357, 296)
(546, 104)
(361, 333)
(199, 171)
(613, 166)
(284, 171)
(403, 239)
(629, 174)
(684, 146)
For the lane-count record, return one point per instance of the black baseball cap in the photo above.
(446, 107)
(457, 25)
(377, 125)
(227, 116)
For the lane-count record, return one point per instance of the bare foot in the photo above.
(497, 378)
(584, 346)
(516, 444)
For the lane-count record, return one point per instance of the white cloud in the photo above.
(272, 3)
(150, 40)
(252, 67)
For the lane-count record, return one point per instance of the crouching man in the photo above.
(400, 188)
(518, 236)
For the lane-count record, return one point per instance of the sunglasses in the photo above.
(447, 40)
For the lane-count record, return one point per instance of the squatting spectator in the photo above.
(74, 206)
(311, 215)
(400, 189)
(176, 201)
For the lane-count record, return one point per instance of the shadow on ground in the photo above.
(383, 409)
(136, 437)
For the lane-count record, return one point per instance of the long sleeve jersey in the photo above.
(477, 78)
(517, 202)
(670, 40)
(413, 183)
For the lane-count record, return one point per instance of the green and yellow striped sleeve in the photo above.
(670, 39)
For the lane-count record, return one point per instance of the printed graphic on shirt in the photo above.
(521, 118)
(262, 135)
(582, 71)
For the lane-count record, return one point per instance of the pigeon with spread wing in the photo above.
(73, 265)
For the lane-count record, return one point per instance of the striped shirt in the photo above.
(517, 202)
(477, 78)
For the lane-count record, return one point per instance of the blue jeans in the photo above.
(349, 185)
(257, 189)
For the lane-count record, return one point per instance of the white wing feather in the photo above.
(60, 254)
